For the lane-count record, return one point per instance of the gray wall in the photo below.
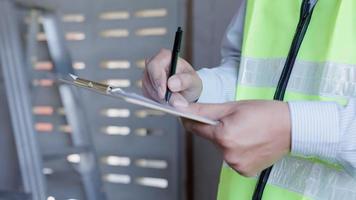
(210, 19)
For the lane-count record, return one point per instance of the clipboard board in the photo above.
(134, 98)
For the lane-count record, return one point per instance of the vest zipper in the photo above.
(306, 12)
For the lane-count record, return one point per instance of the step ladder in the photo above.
(16, 79)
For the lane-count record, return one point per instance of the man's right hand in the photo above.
(186, 85)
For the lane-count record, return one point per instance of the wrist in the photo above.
(285, 123)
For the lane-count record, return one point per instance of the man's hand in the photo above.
(185, 84)
(252, 135)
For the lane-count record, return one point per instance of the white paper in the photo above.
(148, 103)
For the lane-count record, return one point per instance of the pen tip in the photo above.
(73, 76)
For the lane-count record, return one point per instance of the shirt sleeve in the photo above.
(325, 130)
(219, 83)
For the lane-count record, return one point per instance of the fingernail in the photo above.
(180, 103)
(174, 83)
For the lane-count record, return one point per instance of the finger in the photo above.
(165, 55)
(157, 69)
(177, 100)
(147, 60)
(148, 89)
(150, 93)
(203, 130)
(145, 93)
(211, 111)
(180, 82)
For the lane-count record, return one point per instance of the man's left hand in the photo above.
(252, 135)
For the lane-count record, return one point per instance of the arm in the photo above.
(325, 130)
(253, 135)
(219, 84)
(210, 85)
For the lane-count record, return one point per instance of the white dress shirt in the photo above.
(322, 129)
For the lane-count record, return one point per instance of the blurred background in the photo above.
(59, 143)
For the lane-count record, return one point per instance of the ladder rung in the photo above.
(47, 156)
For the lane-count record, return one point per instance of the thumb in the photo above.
(180, 82)
(211, 111)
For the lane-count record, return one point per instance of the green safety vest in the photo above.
(325, 70)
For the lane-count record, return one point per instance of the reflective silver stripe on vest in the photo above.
(322, 79)
(313, 180)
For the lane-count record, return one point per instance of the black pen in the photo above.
(174, 59)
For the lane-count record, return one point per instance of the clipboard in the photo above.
(134, 98)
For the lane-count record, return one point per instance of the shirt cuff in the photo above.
(217, 88)
(315, 129)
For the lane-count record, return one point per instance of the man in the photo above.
(310, 138)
